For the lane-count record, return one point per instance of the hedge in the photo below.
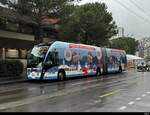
(11, 68)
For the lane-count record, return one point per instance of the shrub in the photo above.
(10, 68)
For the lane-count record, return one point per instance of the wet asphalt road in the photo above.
(125, 92)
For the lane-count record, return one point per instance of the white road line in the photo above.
(131, 103)
(32, 88)
(84, 82)
(42, 97)
(98, 101)
(77, 83)
(148, 92)
(143, 95)
(123, 107)
(138, 99)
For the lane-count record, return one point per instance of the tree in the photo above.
(128, 44)
(90, 24)
(38, 10)
(3, 2)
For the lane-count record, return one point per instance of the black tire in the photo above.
(61, 75)
(120, 69)
(98, 72)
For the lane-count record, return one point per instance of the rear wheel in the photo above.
(61, 75)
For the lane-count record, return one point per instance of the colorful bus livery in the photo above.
(61, 60)
(116, 60)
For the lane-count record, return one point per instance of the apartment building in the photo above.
(17, 34)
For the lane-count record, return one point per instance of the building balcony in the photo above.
(15, 35)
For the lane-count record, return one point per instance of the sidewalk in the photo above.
(12, 80)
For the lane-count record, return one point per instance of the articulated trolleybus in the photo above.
(61, 60)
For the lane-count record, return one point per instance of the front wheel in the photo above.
(61, 75)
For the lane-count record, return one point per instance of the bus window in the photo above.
(52, 59)
(33, 61)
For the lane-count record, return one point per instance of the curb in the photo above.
(12, 81)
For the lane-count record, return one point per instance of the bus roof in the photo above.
(117, 50)
(79, 45)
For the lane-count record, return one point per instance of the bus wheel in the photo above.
(120, 69)
(61, 75)
(98, 72)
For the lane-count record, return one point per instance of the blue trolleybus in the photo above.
(61, 60)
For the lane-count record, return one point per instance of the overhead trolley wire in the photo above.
(140, 8)
(131, 11)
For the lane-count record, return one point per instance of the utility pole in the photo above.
(121, 32)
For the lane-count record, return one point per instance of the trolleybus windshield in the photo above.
(36, 56)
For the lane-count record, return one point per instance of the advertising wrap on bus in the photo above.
(61, 60)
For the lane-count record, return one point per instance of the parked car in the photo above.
(147, 67)
(142, 67)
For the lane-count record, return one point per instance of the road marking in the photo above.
(32, 88)
(30, 100)
(84, 82)
(42, 97)
(123, 107)
(148, 92)
(143, 95)
(98, 101)
(131, 103)
(110, 93)
(138, 99)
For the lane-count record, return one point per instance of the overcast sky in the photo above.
(132, 15)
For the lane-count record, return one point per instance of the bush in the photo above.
(10, 68)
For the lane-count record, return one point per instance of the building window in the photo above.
(12, 53)
(23, 53)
